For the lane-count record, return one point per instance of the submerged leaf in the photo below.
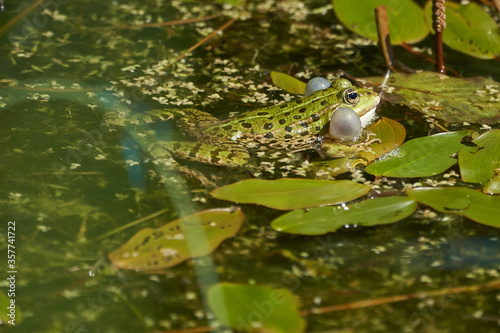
(405, 19)
(287, 193)
(191, 236)
(421, 157)
(322, 220)
(475, 205)
(469, 30)
(455, 100)
(479, 165)
(288, 83)
(247, 308)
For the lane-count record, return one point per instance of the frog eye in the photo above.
(351, 96)
(315, 84)
(345, 124)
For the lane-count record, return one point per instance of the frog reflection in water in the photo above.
(296, 126)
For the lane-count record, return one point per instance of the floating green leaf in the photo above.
(455, 100)
(288, 83)
(391, 135)
(322, 220)
(479, 166)
(405, 19)
(469, 30)
(493, 186)
(191, 236)
(421, 157)
(287, 193)
(482, 208)
(247, 308)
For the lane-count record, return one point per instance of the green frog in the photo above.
(296, 126)
(289, 128)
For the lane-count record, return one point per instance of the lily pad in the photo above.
(287, 193)
(454, 100)
(288, 83)
(405, 19)
(247, 308)
(391, 135)
(322, 220)
(469, 30)
(192, 236)
(421, 157)
(479, 166)
(473, 204)
(493, 186)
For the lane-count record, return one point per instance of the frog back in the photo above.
(296, 119)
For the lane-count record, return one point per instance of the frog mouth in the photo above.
(368, 116)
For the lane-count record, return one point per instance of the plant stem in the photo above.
(399, 298)
(18, 17)
(439, 23)
(203, 41)
(383, 36)
(497, 4)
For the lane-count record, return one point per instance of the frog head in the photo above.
(363, 101)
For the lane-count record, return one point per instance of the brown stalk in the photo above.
(497, 4)
(19, 16)
(429, 59)
(398, 298)
(383, 36)
(133, 223)
(203, 41)
(439, 24)
(385, 42)
(158, 24)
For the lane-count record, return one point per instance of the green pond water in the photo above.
(70, 181)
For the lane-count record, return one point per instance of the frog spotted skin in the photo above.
(296, 126)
